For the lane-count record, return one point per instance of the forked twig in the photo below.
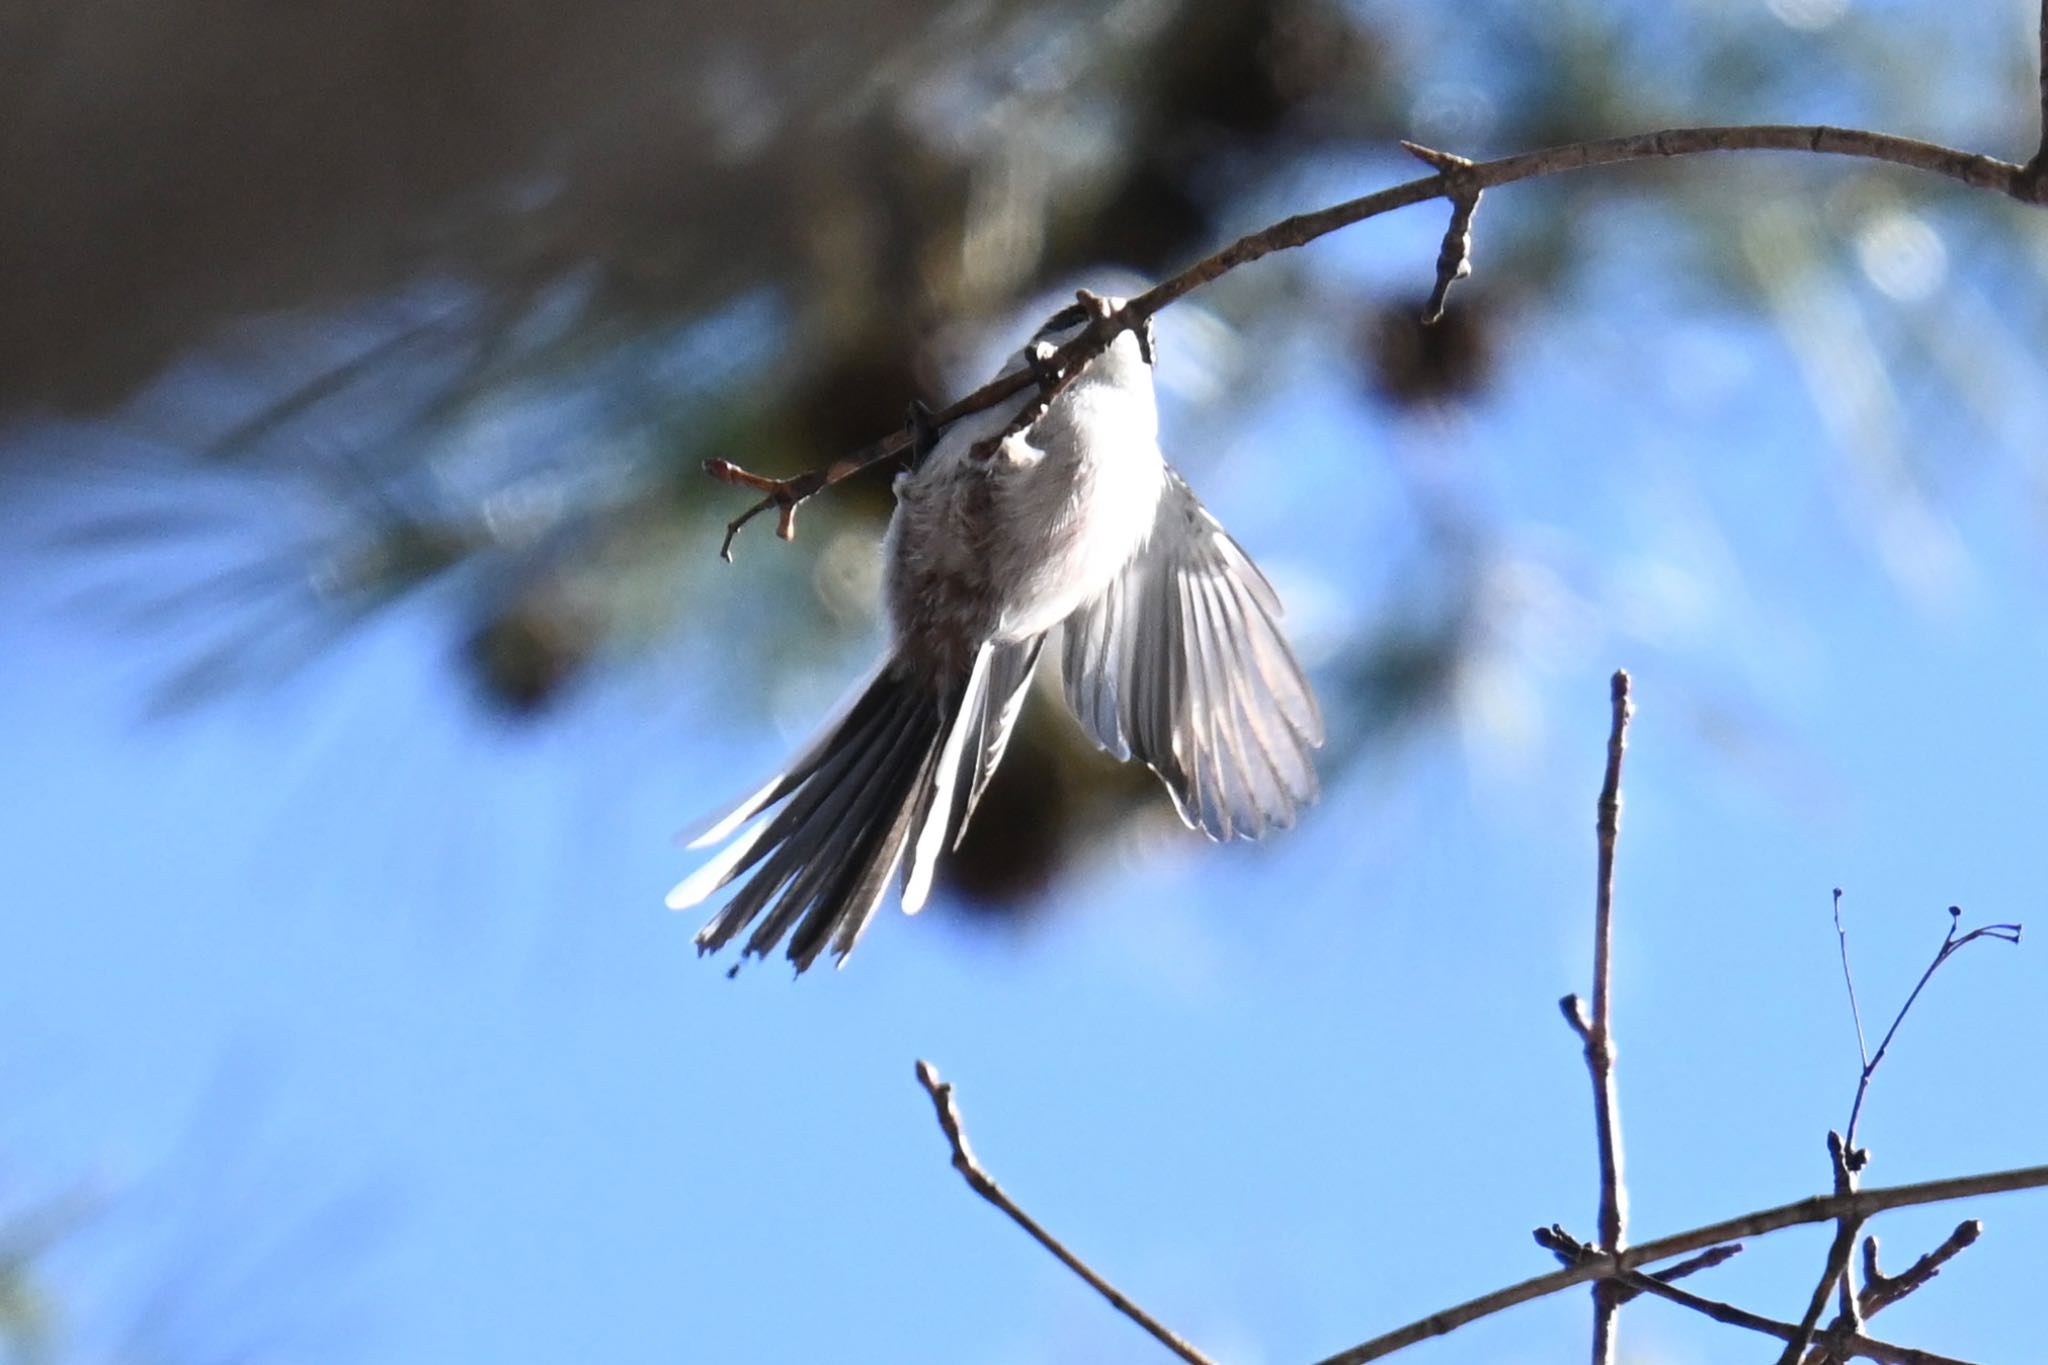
(1951, 944)
(1842, 1343)
(1846, 1158)
(1881, 1291)
(981, 1183)
(1571, 1251)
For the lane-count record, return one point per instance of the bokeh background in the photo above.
(365, 643)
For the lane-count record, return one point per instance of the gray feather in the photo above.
(1181, 664)
(794, 832)
(1009, 677)
(822, 861)
(883, 818)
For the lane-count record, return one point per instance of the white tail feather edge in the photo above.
(932, 837)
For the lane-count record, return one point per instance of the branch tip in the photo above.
(1448, 163)
(1574, 1011)
(1881, 1291)
(978, 1180)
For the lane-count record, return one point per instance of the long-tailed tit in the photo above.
(1168, 636)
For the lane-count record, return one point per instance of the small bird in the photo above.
(1168, 638)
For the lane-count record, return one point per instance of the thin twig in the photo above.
(1454, 257)
(1843, 1343)
(1849, 978)
(1613, 1194)
(1597, 1032)
(1967, 168)
(1881, 1291)
(1817, 1209)
(980, 1182)
(1847, 1160)
(1692, 1265)
(1950, 946)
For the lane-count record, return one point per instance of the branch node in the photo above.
(1454, 257)
(941, 1093)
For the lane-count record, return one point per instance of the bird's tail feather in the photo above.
(884, 784)
(821, 861)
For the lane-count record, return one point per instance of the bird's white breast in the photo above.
(1008, 545)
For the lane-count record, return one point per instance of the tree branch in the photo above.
(979, 1181)
(1843, 1343)
(1846, 1344)
(2027, 184)
(1691, 1265)
(1817, 1209)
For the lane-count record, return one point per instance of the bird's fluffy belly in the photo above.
(1008, 547)
(1078, 527)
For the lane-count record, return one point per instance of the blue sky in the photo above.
(355, 1020)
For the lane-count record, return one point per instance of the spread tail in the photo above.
(886, 782)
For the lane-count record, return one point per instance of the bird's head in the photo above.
(1070, 321)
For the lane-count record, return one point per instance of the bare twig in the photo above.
(1692, 1265)
(1817, 1209)
(1454, 258)
(1881, 1291)
(1950, 946)
(1600, 1048)
(787, 495)
(1596, 1032)
(1843, 1343)
(1847, 1159)
(1967, 168)
(1849, 978)
(979, 1181)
